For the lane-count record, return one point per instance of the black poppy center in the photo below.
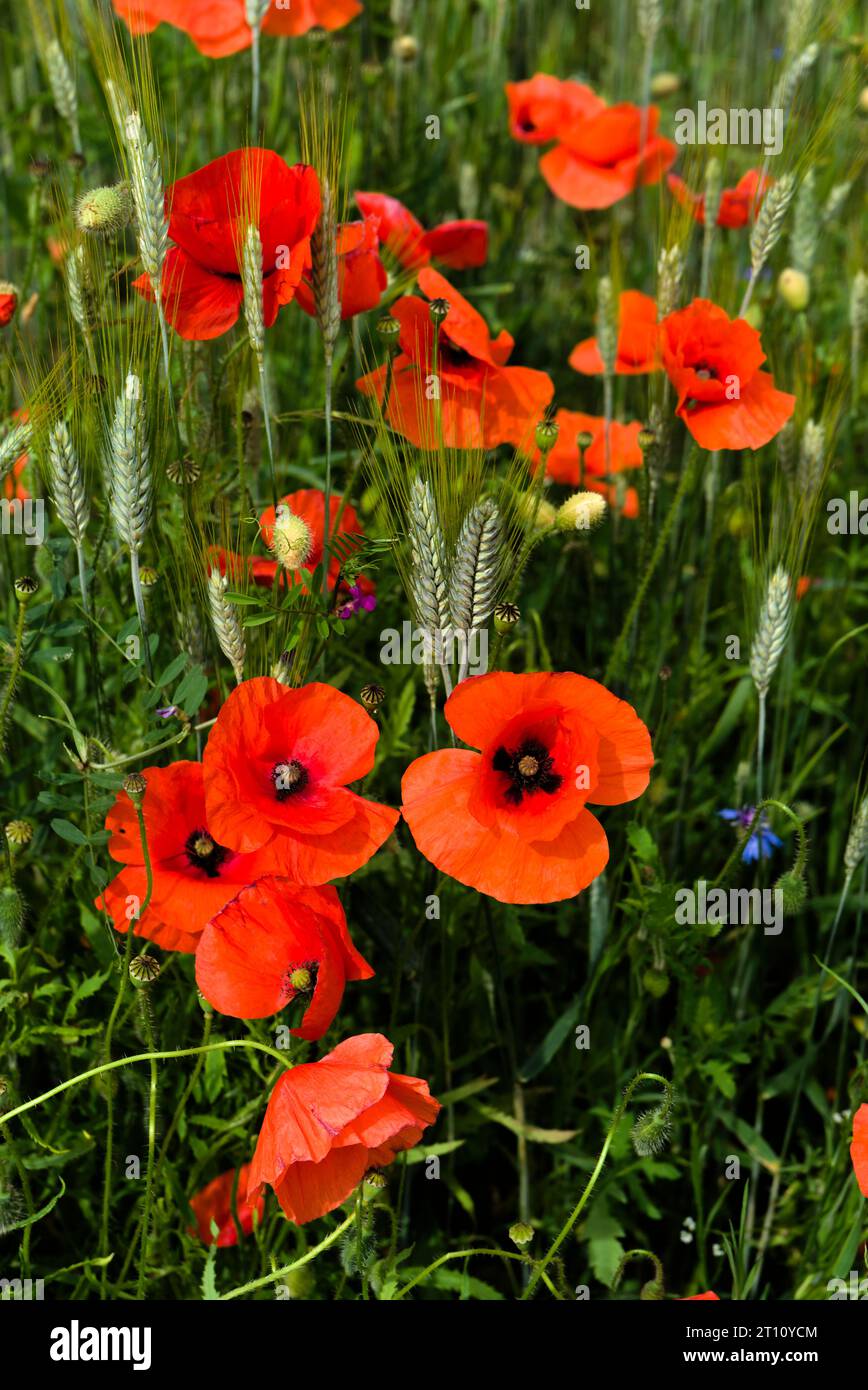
(288, 777)
(204, 853)
(529, 769)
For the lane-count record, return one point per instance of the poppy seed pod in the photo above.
(25, 587)
(104, 211)
(372, 697)
(546, 436)
(291, 539)
(438, 309)
(144, 970)
(134, 786)
(584, 439)
(388, 327)
(19, 832)
(506, 615)
(521, 1233)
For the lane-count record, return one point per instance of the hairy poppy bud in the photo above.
(291, 540)
(653, 1290)
(655, 982)
(546, 436)
(204, 1005)
(521, 1233)
(581, 512)
(8, 302)
(134, 786)
(665, 84)
(538, 512)
(144, 970)
(25, 587)
(11, 915)
(19, 832)
(405, 48)
(104, 211)
(372, 696)
(794, 288)
(438, 309)
(793, 892)
(506, 615)
(651, 1130)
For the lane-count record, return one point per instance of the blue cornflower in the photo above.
(763, 842)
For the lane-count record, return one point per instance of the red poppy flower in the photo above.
(598, 160)
(277, 764)
(700, 1298)
(738, 205)
(214, 1203)
(482, 403)
(361, 274)
(208, 215)
(329, 1121)
(8, 302)
(562, 465)
(512, 821)
(275, 943)
(637, 350)
(219, 27)
(194, 874)
(859, 1148)
(713, 362)
(542, 107)
(458, 245)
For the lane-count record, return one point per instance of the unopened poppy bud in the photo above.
(506, 615)
(521, 1233)
(372, 696)
(794, 288)
(665, 84)
(405, 48)
(655, 982)
(438, 309)
(144, 970)
(11, 915)
(652, 1291)
(8, 302)
(104, 211)
(539, 512)
(646, 440)
(19, 832)
(134, 786)
(793, 892)
(25, 587)
(546, 436)
(581, 512)
(204, 1005)
(388, 326)
(291, 540)
(651, 1130)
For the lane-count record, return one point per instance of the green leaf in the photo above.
(69, 832)
(37, 1215)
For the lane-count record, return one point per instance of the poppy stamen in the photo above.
(301, 979)
(529, 769)
(204, 853)
(288, 778)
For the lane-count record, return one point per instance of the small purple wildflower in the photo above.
(357, 602)
(763, 842)
(168, 711)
